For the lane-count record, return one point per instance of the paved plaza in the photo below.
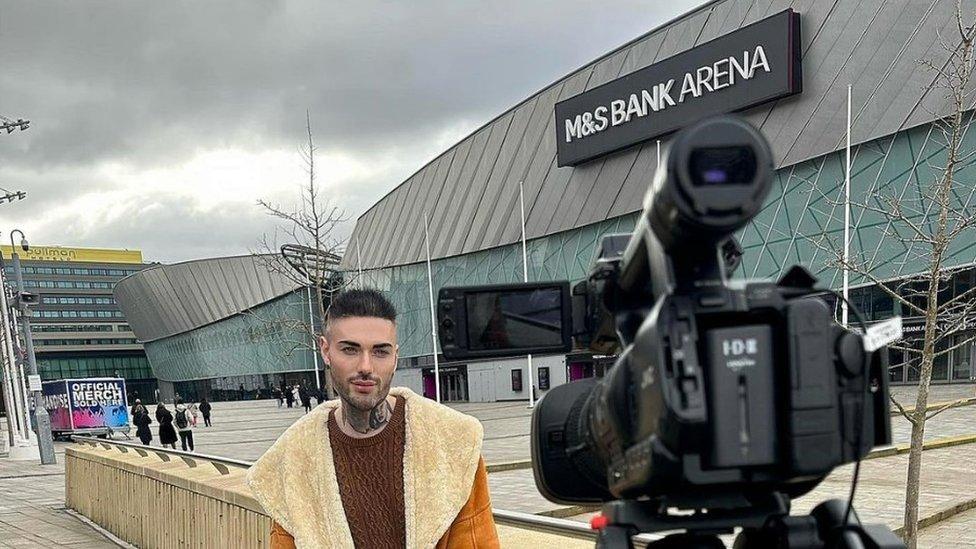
(32, 496)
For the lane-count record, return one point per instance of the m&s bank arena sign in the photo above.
(753, 65)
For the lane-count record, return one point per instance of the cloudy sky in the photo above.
(158, 125)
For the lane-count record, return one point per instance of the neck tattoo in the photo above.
(366, 422)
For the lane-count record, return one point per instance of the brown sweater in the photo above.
(370, 475)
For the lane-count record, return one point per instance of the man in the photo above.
(379, 467)
(184, 426)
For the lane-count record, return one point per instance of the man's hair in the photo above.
(366, 302)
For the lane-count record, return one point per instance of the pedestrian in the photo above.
(194, 413)
(205, 408)
(388, 487)
(279, 396)
(305, 398)
(184, 426)
(142, 420)
(241, 389)
(167, 434)
(289, 396)
(136, 408)
(318, 396)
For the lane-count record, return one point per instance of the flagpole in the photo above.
(847, 213)
(525, 278)
(433, 321)
(359, 262)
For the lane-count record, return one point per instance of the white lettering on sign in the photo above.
(707, 79)
(97, 393)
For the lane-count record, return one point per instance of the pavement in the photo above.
(32, 496)
(32, 513)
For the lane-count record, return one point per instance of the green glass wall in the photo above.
(270, 338)
(62, 367)
(801, 222)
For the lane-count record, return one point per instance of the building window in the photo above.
(543, 378)
(517, 380)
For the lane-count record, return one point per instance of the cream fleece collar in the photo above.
(295, 480)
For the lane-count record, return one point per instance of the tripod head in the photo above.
(765, 523)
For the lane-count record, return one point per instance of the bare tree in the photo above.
(931, 223)
(305, 250)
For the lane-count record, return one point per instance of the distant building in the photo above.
(78, 329)
(227, 328)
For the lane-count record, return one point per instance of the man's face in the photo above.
(362, 354)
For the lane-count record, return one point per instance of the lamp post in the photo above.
(22, 301)
(24, 445)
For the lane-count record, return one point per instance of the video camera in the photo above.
(727, 398)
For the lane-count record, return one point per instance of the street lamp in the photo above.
(22, 301)
(11, 125)
(9, 196)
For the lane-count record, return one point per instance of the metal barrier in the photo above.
(214, 486)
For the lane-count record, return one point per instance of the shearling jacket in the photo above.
(445, 488)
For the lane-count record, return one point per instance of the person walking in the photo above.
(167, 434)
(279, 396)
(184, 426)
(205, 408)
(142, 420)
(136, 408)
(305, 397)
(289, 396)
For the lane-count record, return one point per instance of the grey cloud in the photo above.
(150, 84)
(143, 81)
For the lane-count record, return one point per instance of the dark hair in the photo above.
(367, 302)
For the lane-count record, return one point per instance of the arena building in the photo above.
(584, 150)
(230, 328)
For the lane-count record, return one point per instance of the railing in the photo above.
(158, 497)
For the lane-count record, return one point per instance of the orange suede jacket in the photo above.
(474, 527)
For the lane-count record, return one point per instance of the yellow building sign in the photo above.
(59, 253)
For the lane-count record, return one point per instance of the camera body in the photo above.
(723, 394)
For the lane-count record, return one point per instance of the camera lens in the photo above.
(722, 166)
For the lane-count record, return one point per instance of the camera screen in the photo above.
(514, 319)
(722, 166)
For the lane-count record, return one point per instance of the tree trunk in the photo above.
(915, 467)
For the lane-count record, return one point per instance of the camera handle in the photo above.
(765, 525)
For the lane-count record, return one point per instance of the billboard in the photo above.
(86, 404)
(56, 401)
(59, 253)
(750, 66)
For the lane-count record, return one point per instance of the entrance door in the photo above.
(430, 386)
(962, 358)
(482, 389)
(454, 386)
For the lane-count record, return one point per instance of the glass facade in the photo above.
(270, 338)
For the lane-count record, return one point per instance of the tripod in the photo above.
(765, 525)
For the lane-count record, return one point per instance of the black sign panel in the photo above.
(753, 65)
